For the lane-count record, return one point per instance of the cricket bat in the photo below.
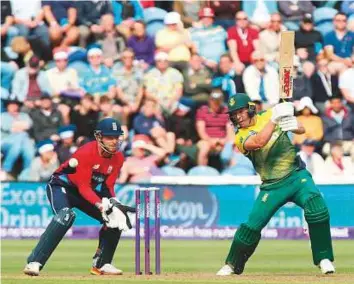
(286, 52)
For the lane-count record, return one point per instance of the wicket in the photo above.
(146, 191)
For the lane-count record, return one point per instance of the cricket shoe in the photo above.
(107, 269)
(32, 268)
(226, 270)
(326, 266)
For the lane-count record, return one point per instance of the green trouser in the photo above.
(300, 189)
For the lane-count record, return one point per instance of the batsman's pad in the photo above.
(52, 236)
(108, 241)
(243, 246)
(316, 210)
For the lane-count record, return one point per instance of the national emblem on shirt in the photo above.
(109, 170)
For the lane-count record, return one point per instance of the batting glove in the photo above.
(282, 110)
(288, 123)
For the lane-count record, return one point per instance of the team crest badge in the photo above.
(109, 169)
(232, 101)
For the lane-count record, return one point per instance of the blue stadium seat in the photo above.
(324, 28)
(324, 14)
(203, 171)
(238, 171)
(154, 18)
(173, 171)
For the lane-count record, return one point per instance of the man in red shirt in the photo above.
(241, 40)
(86, 181)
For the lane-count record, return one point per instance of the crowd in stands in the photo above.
(165, 69)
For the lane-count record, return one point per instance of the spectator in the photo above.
(125, 14)
(261, 81)
(163, 84)
(227, 79)
(85, 117)
(174, 40)
(108, 109)
(293, 12)
(110, 40)
(242, 41)
(66, 146)
(338, 125)
(129, 83)
(148, 123)
(208, 38)
(339, 43)
(98, 79)
(29, 20)
(313, 161)
(143, 162)
(142, 44)
(23, 49)
(147, 3)
(43, 166)
(346, 85)
(62, 78)
(15, 141)
(260, 12)
(8, 70)
(61, 17)
(196, 82)
(188, 11)
(301, 82)
(324, 84)
(30, 82)
(213, 127)
(269, 40)
(337, 164)
(8, 30)
(225, 12)
(307, 39)
(46, 120)
(311, 122)
(89, 14)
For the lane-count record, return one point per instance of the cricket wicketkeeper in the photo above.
(263, 138)
(86, 181)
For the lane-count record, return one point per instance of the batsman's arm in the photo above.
(260, 139)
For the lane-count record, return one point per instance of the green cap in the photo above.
(238, 101)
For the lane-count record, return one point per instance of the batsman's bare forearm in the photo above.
(260, 139)
(300, 130)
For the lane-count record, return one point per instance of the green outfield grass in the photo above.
(182, 262)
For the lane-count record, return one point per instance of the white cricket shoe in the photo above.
(326, 266)
(32, 268)
(225, 271)
(107, 269)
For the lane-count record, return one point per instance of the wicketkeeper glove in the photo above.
(288, 123)
(282, 110)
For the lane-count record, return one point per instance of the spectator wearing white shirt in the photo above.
(261, 81)
(337, 164)
(346, 85)
(314, 161)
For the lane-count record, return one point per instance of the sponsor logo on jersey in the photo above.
(95, 167)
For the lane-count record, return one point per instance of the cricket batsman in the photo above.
(263, 138)
(86, 182)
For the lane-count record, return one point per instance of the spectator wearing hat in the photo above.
(336, 164)
(208, 38)
(89, 14)
(43, 166)
(61, 17)
(164, 84)
(148, 123)
(110, 40)
(188, 11)
(143, 162)
(261, 81)
(62, 78)
(313, 161)
(339, 43)
(309, 119)
(269, 39)
(346, 85)
(324, 84)
(196, 82)
(85, 117)
(293, 12)
(213, 127)
(174, 40)
(29, 20)
(142, 44)
(226, 78)
(29, 82)
(225, 12)
(15, 140)
(46, 119)
(338, 125)
(307, 39)
(98, 78)
(66, 146)
(242, 41)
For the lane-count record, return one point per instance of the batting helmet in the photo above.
(109, 127)
(240, 101)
